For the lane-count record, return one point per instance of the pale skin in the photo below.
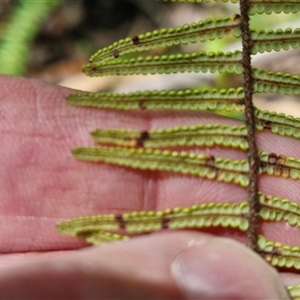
(41, 184)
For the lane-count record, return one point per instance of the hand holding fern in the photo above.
(42, 184)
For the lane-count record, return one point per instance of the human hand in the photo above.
(42, 184)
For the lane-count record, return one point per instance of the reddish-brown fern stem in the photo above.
(250, 125)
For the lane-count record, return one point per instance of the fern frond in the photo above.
(171, 161)
(213, 100)
(226, 215)
(256, 6)
(93, 223)
(100, 237)
(196, 99)
(190, 163)
(274, 6)
(278, 123)
(209, 29)
(199, 135)
(272, 82)
(266, 41)
(144, 150)
(195, 216)
(166, 64)
(294, 291)
(278, 255)
(280, 165)
(275, 209)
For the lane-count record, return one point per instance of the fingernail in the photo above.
(220, 268)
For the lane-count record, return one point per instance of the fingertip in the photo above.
(224, 269)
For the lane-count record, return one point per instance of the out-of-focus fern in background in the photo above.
(50, 40)
(18, 33)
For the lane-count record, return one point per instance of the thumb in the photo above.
(220, 268)
(167, 265)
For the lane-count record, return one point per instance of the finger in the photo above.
(178, 265)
